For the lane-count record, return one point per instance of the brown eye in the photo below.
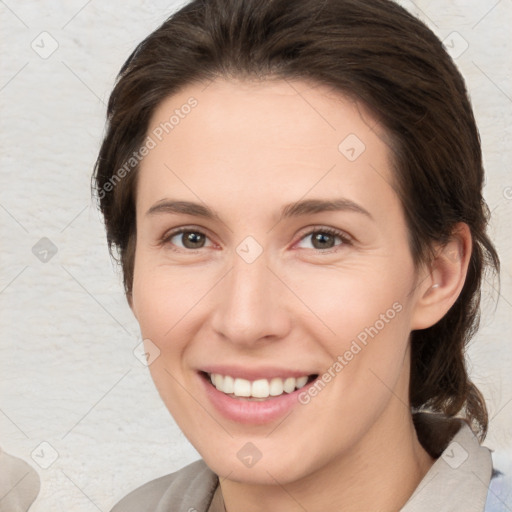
(188, 239)
(323, 239)
(192, 240)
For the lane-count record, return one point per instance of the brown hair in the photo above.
(373, 51)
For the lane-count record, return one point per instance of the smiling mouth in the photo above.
(257, 390)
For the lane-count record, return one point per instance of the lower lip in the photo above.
(249, 411)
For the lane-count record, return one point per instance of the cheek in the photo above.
(366, 346)
(166, 302)
(164, 298)
(362, 322)
(348, 301)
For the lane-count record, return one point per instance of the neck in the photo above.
(376, 475)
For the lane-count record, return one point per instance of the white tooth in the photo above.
(217, 381)
(228, 385)
(289, 385)
(301, 382)
(260, 388)
(276, 387)
(242, 387)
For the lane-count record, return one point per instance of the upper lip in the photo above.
(268, 372)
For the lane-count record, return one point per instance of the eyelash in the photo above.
(345, 239)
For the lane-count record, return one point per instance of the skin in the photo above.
(246, 150)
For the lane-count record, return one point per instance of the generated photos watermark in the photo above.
(151, 141)
(356, 346)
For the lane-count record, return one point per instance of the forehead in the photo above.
(274, 112)
(259, 137)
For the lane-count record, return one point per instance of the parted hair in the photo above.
(372, 51)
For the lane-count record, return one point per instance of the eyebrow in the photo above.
(303, 207)
(311, 206)
(183, 207)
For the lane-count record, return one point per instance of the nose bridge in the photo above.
(249, 307)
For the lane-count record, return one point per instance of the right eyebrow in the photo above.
(183, 207)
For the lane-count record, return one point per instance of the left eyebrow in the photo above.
(312, 206)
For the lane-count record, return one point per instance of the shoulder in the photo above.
(190, 488)
(499, 496)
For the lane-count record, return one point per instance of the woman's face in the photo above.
(294, 264)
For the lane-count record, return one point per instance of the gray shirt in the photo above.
(457, 481)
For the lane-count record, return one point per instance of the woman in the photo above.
(294, 190)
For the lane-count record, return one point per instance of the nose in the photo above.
(250, 306)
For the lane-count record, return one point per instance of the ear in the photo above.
(439, 289)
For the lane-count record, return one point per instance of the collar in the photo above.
(460, 477)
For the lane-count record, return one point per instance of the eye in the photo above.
(323, 238)
(187, 239)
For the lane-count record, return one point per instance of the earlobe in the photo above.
(439, 290)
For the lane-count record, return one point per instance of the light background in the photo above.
(68, 373)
